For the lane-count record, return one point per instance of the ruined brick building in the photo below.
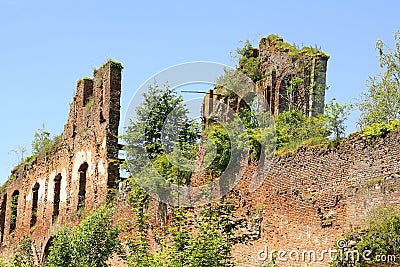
(74, 173)
(308, 200)
(288, 78)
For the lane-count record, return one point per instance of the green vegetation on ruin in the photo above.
(85, 79)
(42, 145)
(205, 237)
(89, 102)
(380, 129)
(379, 235)
(293, 49)
(114, 64)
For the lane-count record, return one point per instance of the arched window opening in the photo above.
(35, 199)
(46, 251)
(57, 190)
(3, 217)
(82, 185)
(14, 211)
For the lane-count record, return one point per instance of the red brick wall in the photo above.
(307, 200)
(311, 198)
(90, 136)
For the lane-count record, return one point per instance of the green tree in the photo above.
(89, 245)
(337, 115)
(158, 106)
(381, 103)
(41, 139)
(249, 61)
(161, 142)
(161, 122)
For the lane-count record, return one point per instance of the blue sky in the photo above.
(46, 46)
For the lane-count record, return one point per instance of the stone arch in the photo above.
(46, 250)
(35, 200)
(14, 211)
(57, 192)
(3, 217)
(82, 185)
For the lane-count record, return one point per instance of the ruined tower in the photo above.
(293, 78)
(287, 77)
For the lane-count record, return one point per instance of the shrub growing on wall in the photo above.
(90, 244)
(379, 237)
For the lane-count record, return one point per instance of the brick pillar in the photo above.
(107, 83)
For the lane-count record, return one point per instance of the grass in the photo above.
(114, 64)
(374, 181)
(293, 49)
(293, 147)
(89, 102)
(3, 187)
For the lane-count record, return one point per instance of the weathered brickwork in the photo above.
(311, 198)
(75, 172)
(291, 78)
(280, 63)
(307, 201)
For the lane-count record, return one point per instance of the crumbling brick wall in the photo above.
(75, 172)
(309, 199)
(291, 78)
(280, 63)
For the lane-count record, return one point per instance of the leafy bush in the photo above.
(380, 129)
(217, 141)
(90, 244)
(192, 239)
(24, 256)
(380, 236)
(249, 62)
(293, 128)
